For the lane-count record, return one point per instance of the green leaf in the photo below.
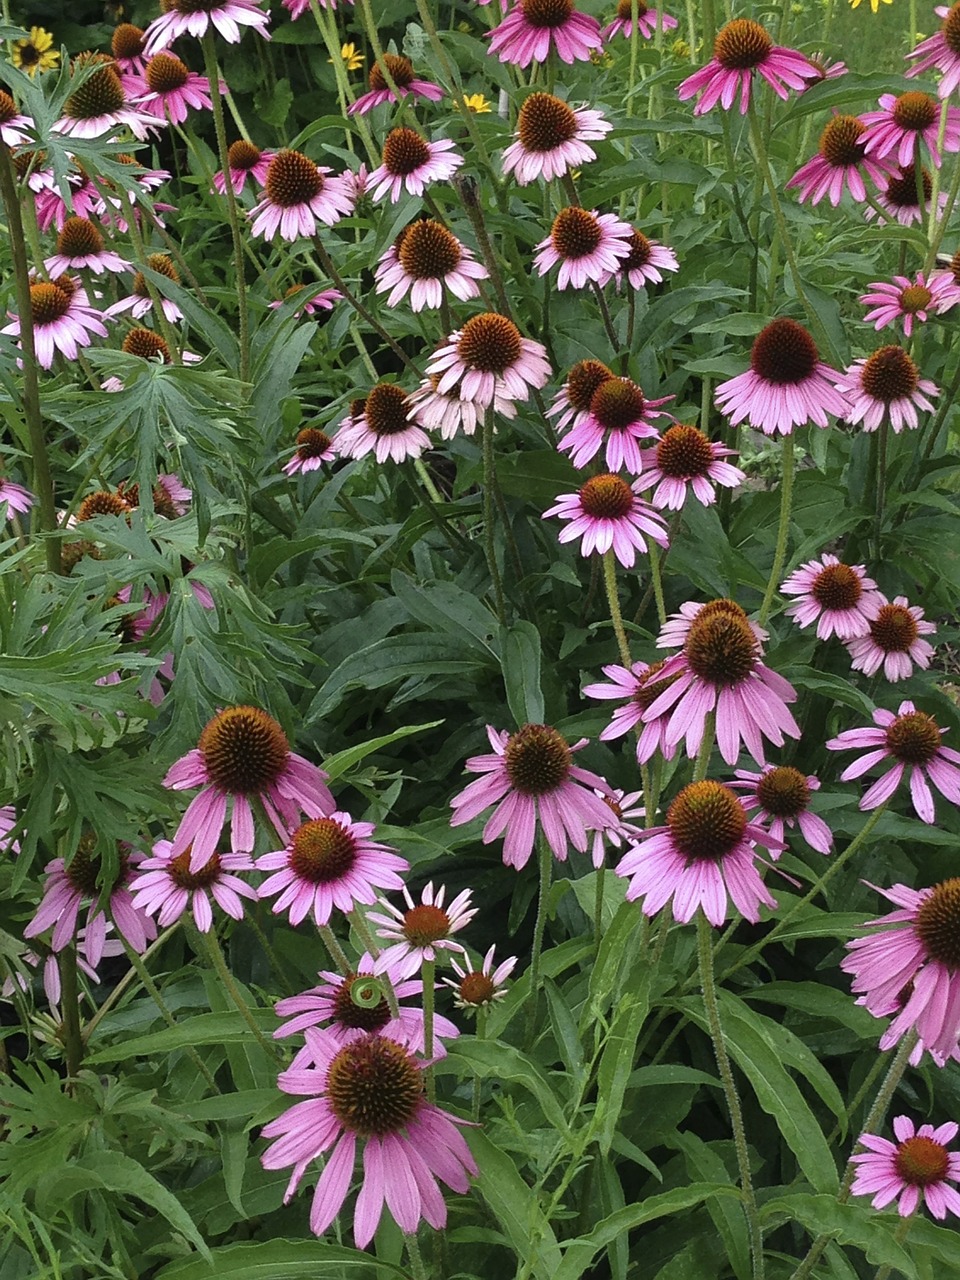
(281, 1260)
(616, 1061)
(520, 647)
(118, 1172)
(202, 1028)
(704, 1162)
(514, 1206)
(852, 1224)
(336, 766)
(505, 1063)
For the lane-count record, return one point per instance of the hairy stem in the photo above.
(783, 527)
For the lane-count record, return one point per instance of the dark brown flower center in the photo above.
(146, 344)
(915, 110)
(894, 629)
(546, 13)
(545, 122)
(357, 407)
(490, 343)
(684, 452)
(722, 606)
(840, 143)
(102, 503)
(784, 353)
(951, 29)
(650, 688)
(292, 179)
(477, 988)
(721, 648)
(582, 381)
(84, 869)
(425, 924)
(165, 73)
(27, 161)
(400, 68)
(914, 298)
(193, 6)
(243, 155)
(784, 791)
(362, 1016)
(163, 504)
(428, 251)
(617, 403)
(404, 151)
(625, 9)
(161, 264)
(48, 303)
(73, 552)
(312, 443)
(374, 1087)
(8, 108)
(938, 923)
(837, 587)
(741, 44)
(576, 233)
(181, 875)
(127, 41)
(606, 497)
(706, 821)
(901, 191)
(29, 54)
(640, 251)
(386, 409)
(921, 1161)
(889, 375)
(101, 95)
(537, 760)
(913, 738)
(322, 850)
(79, 238)
(244, 750)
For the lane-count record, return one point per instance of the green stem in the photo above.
(327, 26)
(545, 865)
(613, 601)
(656, 581)
(334, 949)
(480, 1032)
(783, 528)
(606, 317)
(359, 307)
(936, 238)
(125, 982)
(70, 1005)
(712, 1009)
(598, 905)
(140, 251)
(428, 970)
(272, 958)
(489, 480)
(900, 1236)
(417, 1269)
(215, 952)
(881, 478)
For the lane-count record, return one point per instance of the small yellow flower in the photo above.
(352, 57)
(874, 4)
(477, 102)
(680, 49)
(601, 58)
(36, 52)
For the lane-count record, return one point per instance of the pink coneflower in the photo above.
(171, 497)
(63, 320)
(80, 245)
(313, 449)
(165, 886)
(383, 428)
(620, 414)
(69, 886)
(139, 301)
(372, 1089)
(903, 122)
(425, 260)
(674, 632)
(786, 386)
(781, 796)
(911, 739)
(624, 808)
(918, 956)
(941, 51)
(918, 1166)
(888, 383)
(702, 858)
(312, 304)
(445, 412)
(53, 210)
(422, 931)
(475, 989)
(487, 358)
(356, 183)
(347, 1009)
(243, 753)
(329, 862)
(894, 641)
(644, 263)
(401, 72)
(838, 164)
(244, 161)
(899, 198)
(740, 48)
(572, 401)
(531, 777)
(14, 128)
(587, 246)
(100, 105)
(297, 194)
(409, 162)
(840, 598)
(640, 687)
(536, 27)
(903, 300)
(297, 8)
(719, 669)
(14, 500)
(551, 139)
(647, 21)
(609, 514)
(196, 17)
(686, 459)
(173, 90)
(126, 45)
(51, 969)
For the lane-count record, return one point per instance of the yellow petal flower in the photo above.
(36, 52)
(476, 102)
(352, 56)
(874, 4)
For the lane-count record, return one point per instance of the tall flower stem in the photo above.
(883, 435)
(480, 1032)
(900, 1235)
(334, 949)
(211, 944)
(783, 528)
(489, 480)
(429, 972)
(613, 601)
(598, 905)
(656, 581)
(70, 1004)
(42, 477)
(127, 980)
(712, 1009)
(417, 1269)
(939, 225)
(233, 213)
(327, 26)
(358, 306)
(545, 866)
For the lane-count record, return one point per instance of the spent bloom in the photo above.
(243, 754)
(529, 777)
(740, 48)
(420, 932)
(401, 73)
(702, 858)
(840, 164)
(487, 358)
(297, 194)
(383, 427)
(409, 162)
(647, 21)
(903, 122)
(918, 1166)
(244, 161)
(886, 384)
(644, 264)
(475, 989)
(910, 740)
(894, 641)
(371, 1089)
(840, 598)
(587, 246)
(787, 384)
(313, 449)
(684, 459)
(197, 17)
(639, 686)
(552, 138)
(608, 514)
(903, 301)
(781, 796)
(535, 28)
(63, 319)
(165, 886)
(620, 415)
(941, 51)
(425, 260)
